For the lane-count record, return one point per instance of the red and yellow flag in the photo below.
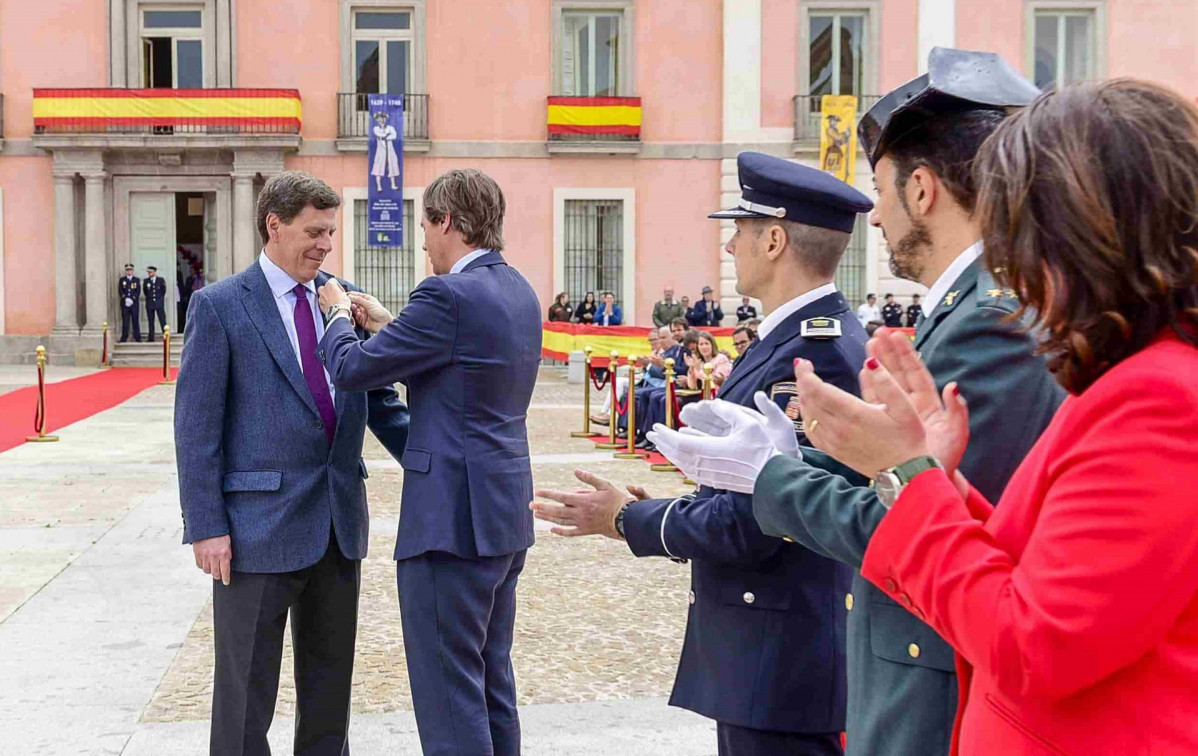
(276, 110)
(595, 115)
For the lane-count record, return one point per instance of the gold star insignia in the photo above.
(994, 292)
(951, 297)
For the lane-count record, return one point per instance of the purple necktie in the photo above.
(305, 329)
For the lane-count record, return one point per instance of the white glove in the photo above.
(702, 417)
(128, 302)
(729, 462)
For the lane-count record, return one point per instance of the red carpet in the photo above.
(70, 401)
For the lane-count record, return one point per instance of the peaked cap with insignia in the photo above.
(957, 80)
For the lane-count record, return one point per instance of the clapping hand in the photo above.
(369, 313)
(584, 512)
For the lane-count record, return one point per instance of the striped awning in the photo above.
(276, 110)
(595, 115)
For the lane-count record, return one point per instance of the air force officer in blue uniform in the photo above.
(765, 637)
(467, 345)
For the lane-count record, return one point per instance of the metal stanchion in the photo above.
(611, 443)
(631, 452)
(708, 383)
(39, 415)
(105, 359)
(670, 421)
(586, 401)
(166, 357)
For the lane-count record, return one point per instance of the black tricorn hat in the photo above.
(956, 80)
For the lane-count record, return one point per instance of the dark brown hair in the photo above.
(474, 204)
(946, 145)
(287, 194)
(1089, 211)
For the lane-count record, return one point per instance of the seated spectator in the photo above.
(560, 311)
(585, 313)
(706, 311)
(649, 374)
(743, 338)
(609, 313)
(892, 313)
(746, 311)
(752, 326)
(705, 352)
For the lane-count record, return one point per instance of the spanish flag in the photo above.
(250, 109)
(595, 115)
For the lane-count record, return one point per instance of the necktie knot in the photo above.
(301, 292)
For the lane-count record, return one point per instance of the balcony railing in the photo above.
(594, 119)
(807, 115)
(166, 111)
(353, 116)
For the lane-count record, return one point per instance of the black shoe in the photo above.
(122, 341)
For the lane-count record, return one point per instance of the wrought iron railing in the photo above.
(353, 115)
(166, 111)
(807, 114)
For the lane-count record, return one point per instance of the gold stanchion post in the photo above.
(612, 417)
(39, 414)
(105, 358)
(670, 421)
(631, 452)
(708, 383)
(166, 357)
(586, 401)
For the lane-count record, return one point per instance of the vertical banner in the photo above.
(838, 136)
(384, 201)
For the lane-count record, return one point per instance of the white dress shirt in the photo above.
(460, 265)
(868, 313)
(950, 274)
(775, 318)
(281, 286)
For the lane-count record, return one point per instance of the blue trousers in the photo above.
(458, 617)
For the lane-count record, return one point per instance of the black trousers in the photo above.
(130, 315)
(735, 740)
(151, 311)
(249, 617)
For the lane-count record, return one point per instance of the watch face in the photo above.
(888, 486)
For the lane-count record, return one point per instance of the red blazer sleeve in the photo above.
(1112, 557)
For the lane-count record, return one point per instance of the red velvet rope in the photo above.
(39, 414)
(599, 385)
(622, 407)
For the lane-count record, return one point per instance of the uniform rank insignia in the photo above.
(819, 328)
(950, 298)
(790, 393)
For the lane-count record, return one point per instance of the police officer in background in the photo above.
(764, 653)
(892, 313)
(128, 288)
(913, 311)
(155, 293)
(921, 140)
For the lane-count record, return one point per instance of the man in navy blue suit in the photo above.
(467, 345)
(764, 653)
(271, 479)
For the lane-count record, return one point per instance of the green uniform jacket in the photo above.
(664, 312)
(902, 694)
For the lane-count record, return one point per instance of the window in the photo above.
(172, 48)
(594, 249)
(836, 53)
(850, 274)
(389, 273)
(590, 54)
(382, 51)
(1064, 42)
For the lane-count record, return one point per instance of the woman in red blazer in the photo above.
(1073, 605)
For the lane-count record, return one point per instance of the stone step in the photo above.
(133, 354)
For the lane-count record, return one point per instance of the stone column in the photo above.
(98, 281)
(243, 221)
(66, 314)
(937, 27)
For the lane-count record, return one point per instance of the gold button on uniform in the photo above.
(788, 539)
(691, 597)
(749, 597)
(913, 651)
(848, 601)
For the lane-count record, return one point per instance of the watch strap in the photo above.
(908, 470)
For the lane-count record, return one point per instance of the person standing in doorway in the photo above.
(155, 293)
(128, 287)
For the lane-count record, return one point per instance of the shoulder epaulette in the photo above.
(820, 328)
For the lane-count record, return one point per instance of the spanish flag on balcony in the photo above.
(274, 110)
(595, 115)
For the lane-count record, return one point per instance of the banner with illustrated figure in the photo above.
(384, 202)
(838, 136)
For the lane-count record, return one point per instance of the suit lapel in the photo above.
(963, 287)
(260, 305)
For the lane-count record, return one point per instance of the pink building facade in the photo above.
(586, 212)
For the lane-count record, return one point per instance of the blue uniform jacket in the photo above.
(253, 459)
(765, 641)
(468, 346)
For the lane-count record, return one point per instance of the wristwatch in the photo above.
(890, 482)
(620, 521)
(338, 308)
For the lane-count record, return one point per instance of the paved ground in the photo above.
(105, 624)
(13, 377)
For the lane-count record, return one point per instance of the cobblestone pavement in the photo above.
(593, 623)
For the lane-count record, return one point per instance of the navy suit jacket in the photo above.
(253, 459)
(765, 642)
(617, 315)
(702, 315)
(468, 346)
